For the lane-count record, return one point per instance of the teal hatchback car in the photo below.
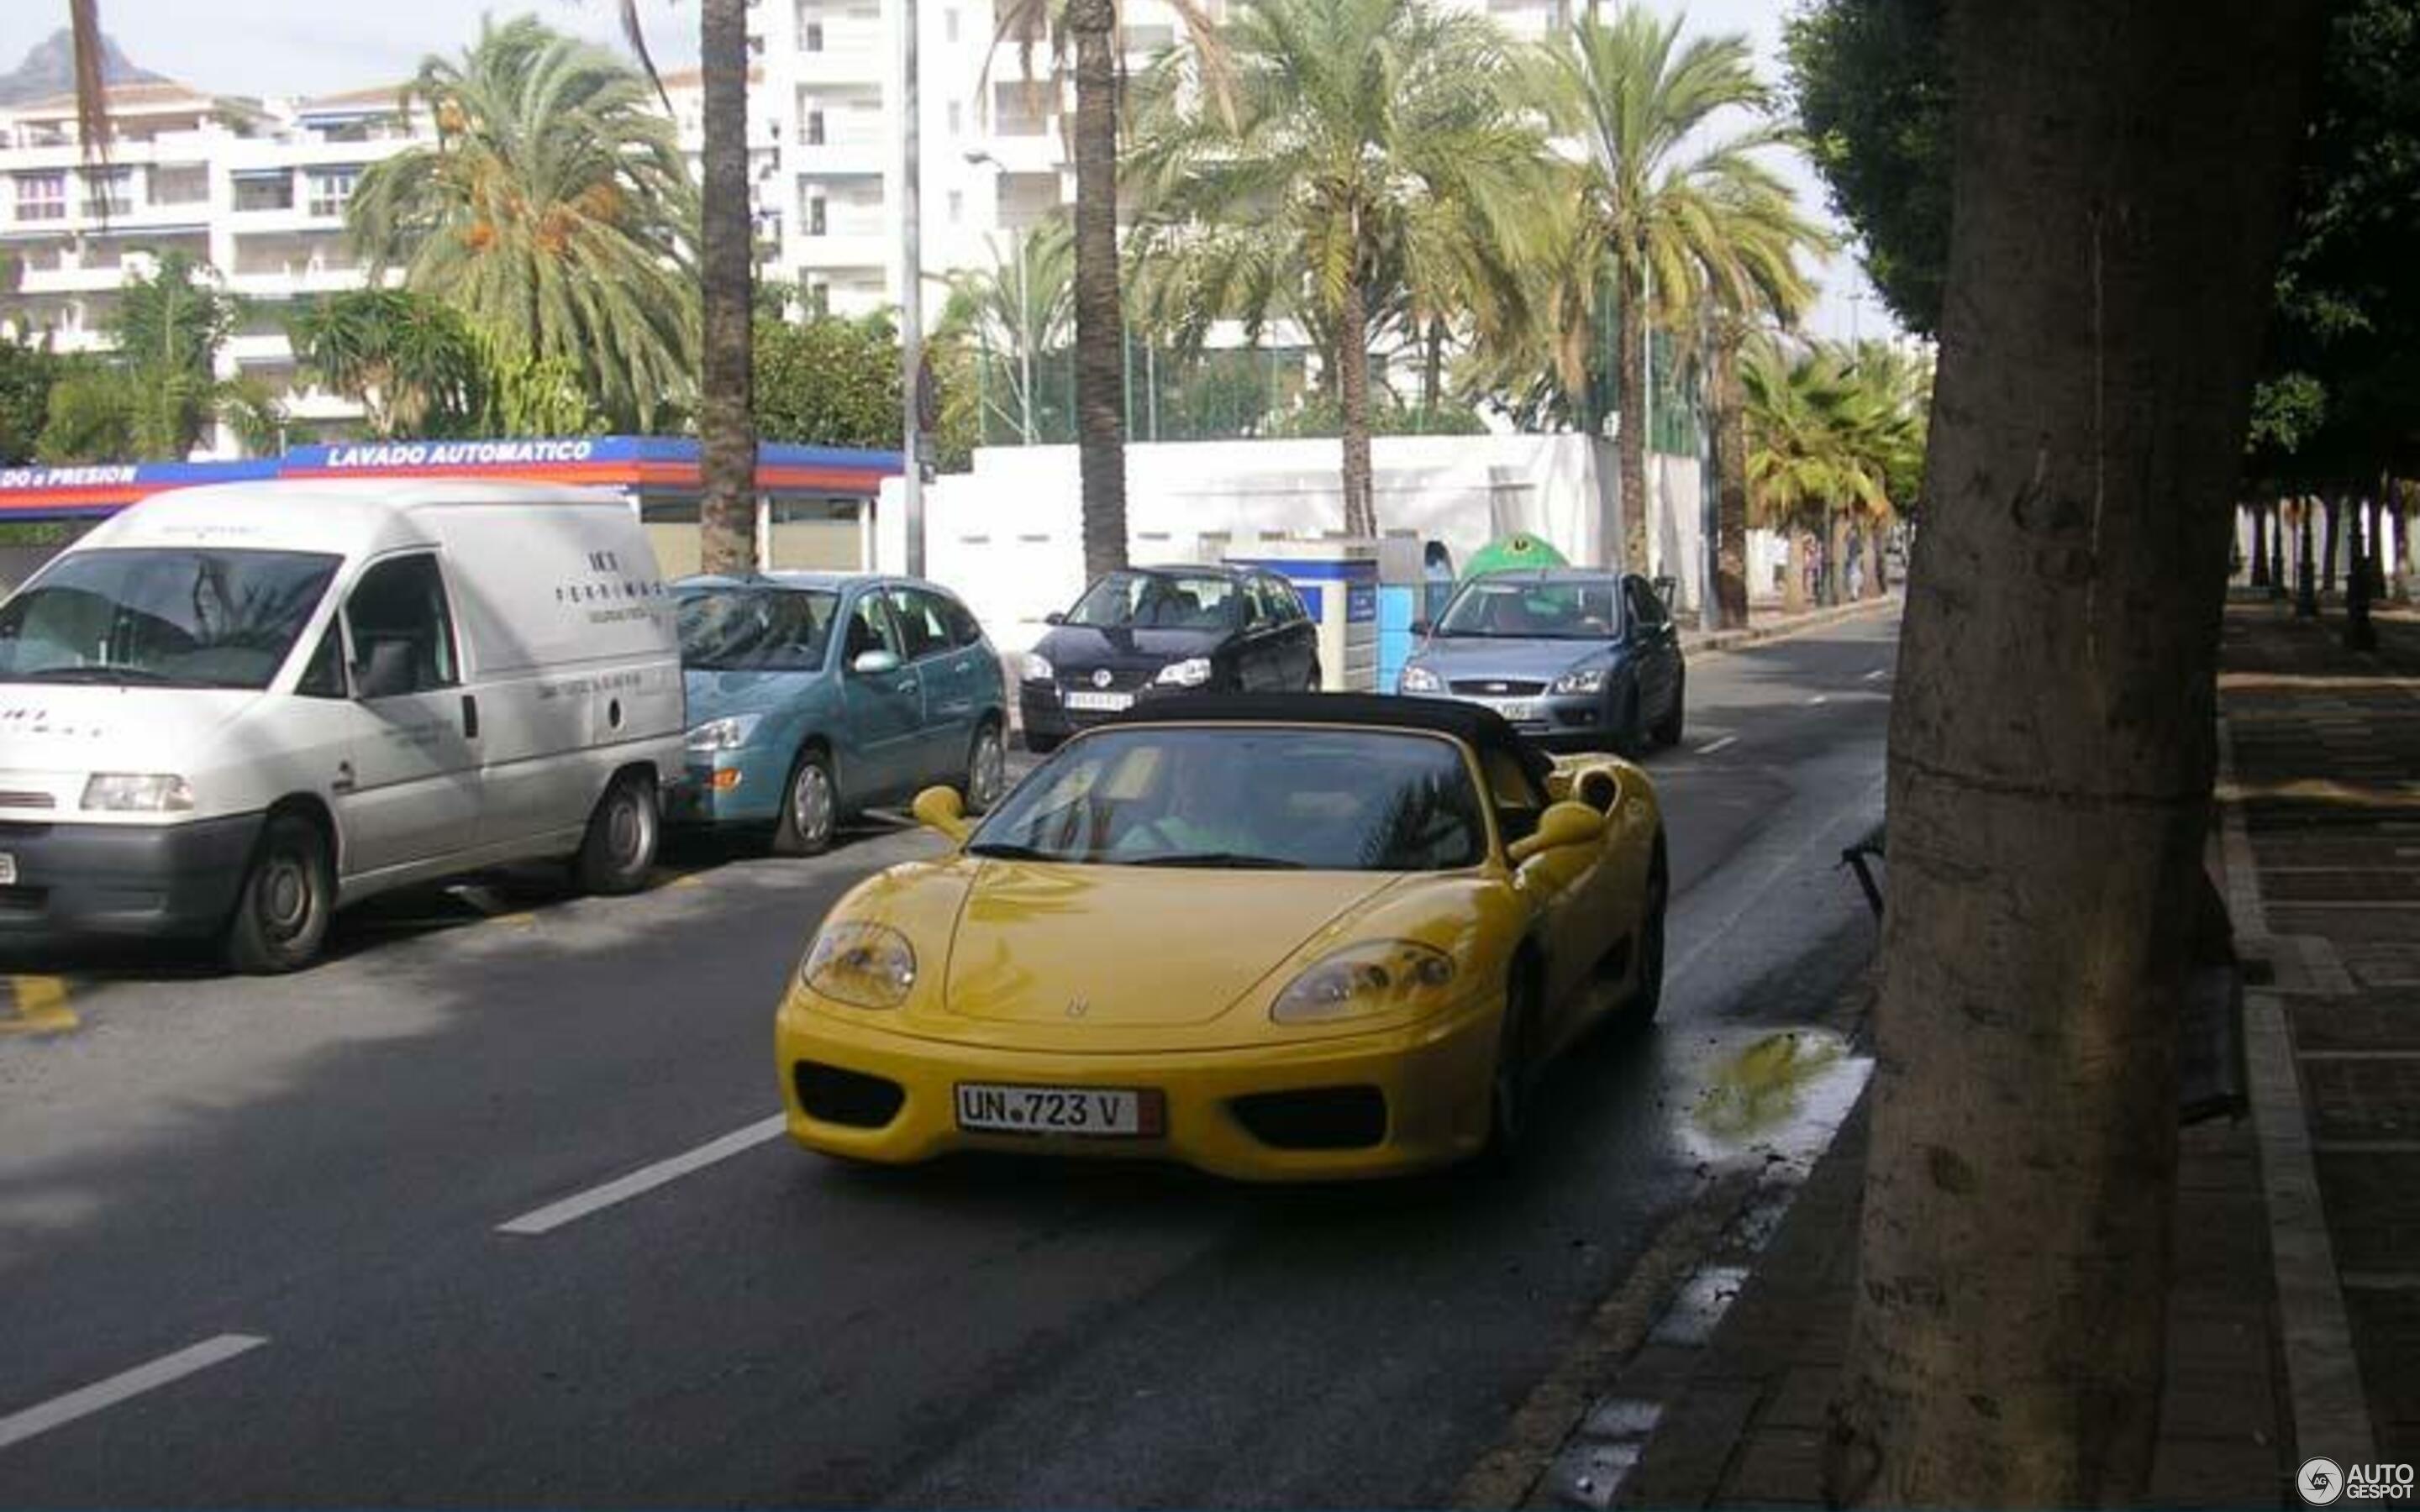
(813, 696)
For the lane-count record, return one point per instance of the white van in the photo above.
(234, 709)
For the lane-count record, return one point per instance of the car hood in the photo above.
(1083, 647)
(1473, 657)
(715, 695)
(53, 735)
(1132, 946)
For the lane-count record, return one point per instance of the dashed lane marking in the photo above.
(36, 1005)
(101, 1394)
(1819, 698)
(1877, 674)
(646, 1178)
(1713, 745)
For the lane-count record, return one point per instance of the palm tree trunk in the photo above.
(2334, 544)
(2359, 634)
(1100, 316)
(1353, 396)
(2052, 743)
(1730, 488)
(1630, 382)
(1836, 558)
(2276, 549)
(2259, 548)
(1794, 577)
(1433, 366)
(2306, 567)
(726, 426)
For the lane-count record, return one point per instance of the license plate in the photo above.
(1107, 1112)
(1513, 710)
(1103, 703)
(8, 869)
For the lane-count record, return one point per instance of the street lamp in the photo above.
(912, 303)
(977, 156)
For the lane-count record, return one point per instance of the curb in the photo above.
(2322, 1373)
(1813, 620)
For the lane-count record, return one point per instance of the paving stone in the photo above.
(1778, 1464)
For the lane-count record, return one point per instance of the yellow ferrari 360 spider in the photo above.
(1276, 937)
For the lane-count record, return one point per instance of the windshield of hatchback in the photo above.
(756, 629)
(1246, 798)
(169, 616)
(1158, 601)
(1587, 609)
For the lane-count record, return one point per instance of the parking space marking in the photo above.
(36, 1005)
(1819, 698)
(646, 1178)
(85, 1400)
(1713, 745)
(1877, 674)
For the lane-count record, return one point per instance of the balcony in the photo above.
(845, 149)
(846, 248)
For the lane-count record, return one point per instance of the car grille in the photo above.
(1325, 1117)
(27, 800)
(1122, 680)
(1498, 686)
(847, 1097)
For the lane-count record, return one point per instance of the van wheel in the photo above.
(281, 913)
(620, 846)
(987, 770)
(810, 808)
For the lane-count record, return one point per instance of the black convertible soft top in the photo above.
(1477, 726)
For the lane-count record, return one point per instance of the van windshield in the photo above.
(756, 629)
(163, 616)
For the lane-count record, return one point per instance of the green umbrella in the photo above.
(1510, 554)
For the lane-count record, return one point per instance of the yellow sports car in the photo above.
(1276, 937)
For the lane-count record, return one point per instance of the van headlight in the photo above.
(869, 965)
(138, 793)
(1366, 980)
(1419, 679)
(1191, 673)
(728, 733)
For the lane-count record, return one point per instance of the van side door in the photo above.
(412, 794)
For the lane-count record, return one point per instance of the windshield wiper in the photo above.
(98, 672)
(1222, 860)
(1002, 850)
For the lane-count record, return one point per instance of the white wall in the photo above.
(1008, 536)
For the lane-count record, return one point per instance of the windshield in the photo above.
(169, 616)
(756, 629)
(1158, 601)
(1532, 611)
(1246, 796)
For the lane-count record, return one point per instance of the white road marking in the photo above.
(1819, 698)
(646, 1178)
(85, 1401)
(1877, 674)
(1713, 745)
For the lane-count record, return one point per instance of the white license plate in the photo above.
(8, 869)
(1099, 1112)
(1102, 702)
(1514, 710)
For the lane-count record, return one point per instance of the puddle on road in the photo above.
(1764, 1095)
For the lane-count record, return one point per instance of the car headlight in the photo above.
(1582, 680)
(1364, 980)
(138, 793)
(1038, 667)
(728, 733)
(1191, 673)
(1417, 679)
(871, 966)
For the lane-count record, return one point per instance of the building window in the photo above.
(185, 183)
(264, 191)
(757, 46)
(816, 216)
(818, 297)
(331, 188)
(812, 38)
(814, 134)
(956, 117)
(958, 207)
(42, 196)
(108, 191)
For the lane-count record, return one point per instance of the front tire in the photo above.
(810, 808)
(289, 894)
(619, 849)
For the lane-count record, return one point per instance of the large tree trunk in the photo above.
(2306, 566)
(2335, 551)
(1100, 316)
(2260, 546)
(2121, 177)
(1730, 488)
(726, 423)
(2277, 550)
(1433, 366)
(2360, 545)
(1793, 572)
(1630, 435)
(2403, 494)
(1353, 403)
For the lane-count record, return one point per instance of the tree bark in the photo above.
(1730, 488)
(1793, 580)
(1353, 402)
(2329, 558)
(2359, 634)
(726, 422)
(2276, 549)
(2260, 546)
(1433, 366)
(1629, 434)
(1100, 314)
(2121, 174)
(2376, 535)
(2306, 568)
(2410, 543)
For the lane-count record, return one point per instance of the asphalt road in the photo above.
(254, 1246)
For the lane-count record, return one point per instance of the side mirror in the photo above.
(1421, 627)
(941, 809)
(385, 671)
(1054, 617)
(874, 663)
(1563, 824)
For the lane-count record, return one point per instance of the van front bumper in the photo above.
(179, 879)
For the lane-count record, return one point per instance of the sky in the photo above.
(296, 47)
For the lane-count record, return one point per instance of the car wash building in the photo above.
(814, 504)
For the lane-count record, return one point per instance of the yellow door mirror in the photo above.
(941, 809)
(1563, 824)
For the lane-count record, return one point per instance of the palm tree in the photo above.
(409, 360)
(1084, 33)
(1671, 215)
(1366, 165)
(1019, 311)
(726, 426)
(555, 209)
(1808, 454)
